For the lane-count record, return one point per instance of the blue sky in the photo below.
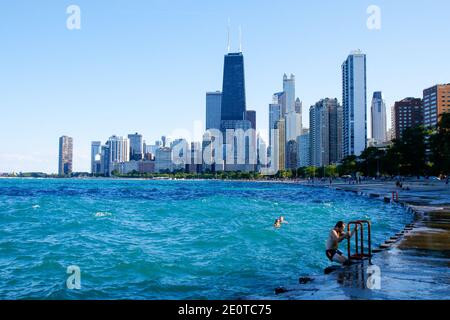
(145, 65)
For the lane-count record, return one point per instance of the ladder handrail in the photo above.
(359, 225)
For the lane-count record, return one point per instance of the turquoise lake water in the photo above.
(170, 239)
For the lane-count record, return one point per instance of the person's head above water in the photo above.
(340, 226)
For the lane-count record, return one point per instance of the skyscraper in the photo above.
(436, 101)
(233, 105)
(293, 118)
(106, 161)
(407, 113)
(289, 89)
(280, 98)
(354, 99)
(163, 162)
(298, 106)
(261, 148)
(234, 115)
(378, 116)
(281, 150)
(303, 142)
(136, 147)
(335, 125)
(324, 132)
(119, 149)
(65, 155)
(291, 155)
(274, 117)
(319, 134)
(213, 110)
(96, 152)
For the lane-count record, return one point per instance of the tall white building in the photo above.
(119, 149)
(354, 99)
(289, 89)
(378, 111)
(293, 118)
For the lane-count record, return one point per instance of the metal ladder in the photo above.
(359, 240)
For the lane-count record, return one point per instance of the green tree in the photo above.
(301, 172)
(331, 171)
(349, 166)
(115, 173)
(371, 161)
(311, 172)
(412, 151)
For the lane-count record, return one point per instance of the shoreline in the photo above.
(417, 256)
(429, 203)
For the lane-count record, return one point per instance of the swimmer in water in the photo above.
(282, 220)
(277, 223)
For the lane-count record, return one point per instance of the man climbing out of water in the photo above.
(337, 235)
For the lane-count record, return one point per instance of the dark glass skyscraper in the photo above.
(233, 92)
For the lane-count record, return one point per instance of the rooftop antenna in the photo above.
(229, 41)
(240, 38)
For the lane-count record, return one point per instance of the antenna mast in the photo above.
(229, 41)
(240, 38)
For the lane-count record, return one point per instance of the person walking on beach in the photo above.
(336, 236)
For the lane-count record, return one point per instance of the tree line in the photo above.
(419, 152)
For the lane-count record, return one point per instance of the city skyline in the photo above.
(93, 108)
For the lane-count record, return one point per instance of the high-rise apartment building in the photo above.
(281, 150)
(136, 147)
(119, 149)
(325, 138)
(274, 117)
(436, 101)
(407, 113)
(303, 142)
(213, 110)
(354, 99)
(65, 156)
(378, 116)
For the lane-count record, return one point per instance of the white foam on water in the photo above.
(102, 214)
(36, 206)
